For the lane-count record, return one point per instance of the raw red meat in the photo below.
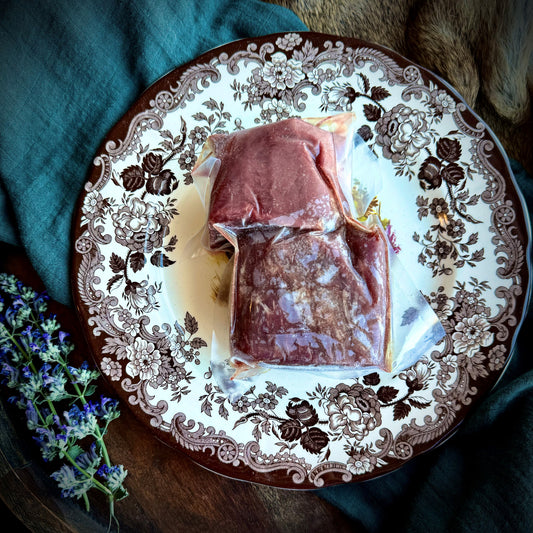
(281, 174)
(310, 284)
(310, 299)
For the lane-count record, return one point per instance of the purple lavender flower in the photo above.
(48, 442)
(31, 415)
(51, 393)
(18, 303)
(72, 483)
(45, 376)
(103, 471)
(10, 375)
(91, 459)
(90, 407)
(108, 408)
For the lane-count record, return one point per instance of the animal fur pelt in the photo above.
(484, 48)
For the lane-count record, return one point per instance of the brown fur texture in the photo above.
(484, 48)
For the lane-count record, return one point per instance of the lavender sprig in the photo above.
(55, 395)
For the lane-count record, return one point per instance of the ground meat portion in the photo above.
(304, 299)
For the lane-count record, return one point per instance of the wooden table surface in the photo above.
(168, 492)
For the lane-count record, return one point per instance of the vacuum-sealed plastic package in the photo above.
(309, 285)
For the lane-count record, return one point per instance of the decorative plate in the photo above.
(147, 305)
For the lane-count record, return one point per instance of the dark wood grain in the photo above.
(168, 492)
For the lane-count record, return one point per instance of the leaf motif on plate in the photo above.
(197, 343)
(453, 174)
(379, 93)
(191, 324)
(211, 104)
(137, 261)
(171, 244)
(371, 379)
(449, 149)
(159, 259)
(116, 263)
(372, 112)
(222, 411)
(112, 281)
(256, 433)
(314, 439)
(199, 116)
(419, 403)
(291, 430)
(401, 410)
(363, 82)
(386, 393)
(132, 178)
(152, 163)
(206, 407)
(304, 412)
(307, 54)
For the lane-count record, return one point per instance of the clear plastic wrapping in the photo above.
(309, 285)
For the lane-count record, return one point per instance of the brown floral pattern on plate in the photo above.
(146, 299)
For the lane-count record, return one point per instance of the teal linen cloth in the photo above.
(68, 71)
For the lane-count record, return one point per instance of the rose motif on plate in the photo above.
(150, 322)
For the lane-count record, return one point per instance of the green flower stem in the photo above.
(100, 486)
(34, 370)
(86, 501)
(99, 437)
(112, 515)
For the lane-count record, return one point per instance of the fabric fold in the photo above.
(68, 72)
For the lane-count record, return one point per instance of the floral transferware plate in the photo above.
(456, 217)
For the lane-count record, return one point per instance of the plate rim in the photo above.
(117, 133)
